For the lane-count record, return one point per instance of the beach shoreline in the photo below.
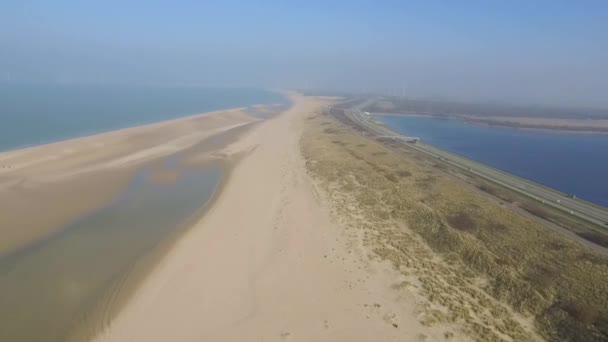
(123, 130)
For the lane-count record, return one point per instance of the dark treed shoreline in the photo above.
(519, 123)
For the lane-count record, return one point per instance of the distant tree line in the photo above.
(450, 108)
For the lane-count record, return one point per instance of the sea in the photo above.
(573, 163)
(33, 114)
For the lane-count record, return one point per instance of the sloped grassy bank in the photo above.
(473, 262)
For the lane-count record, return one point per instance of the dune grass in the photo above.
(495, 272)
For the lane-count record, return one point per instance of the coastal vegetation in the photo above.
(471, 260)
(396, 104)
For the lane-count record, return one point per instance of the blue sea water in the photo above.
(32, 114)
(569, 162)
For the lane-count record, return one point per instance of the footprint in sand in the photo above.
(423, 338)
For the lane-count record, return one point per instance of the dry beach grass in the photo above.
(472, 261)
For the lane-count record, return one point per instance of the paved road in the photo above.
(554, 198)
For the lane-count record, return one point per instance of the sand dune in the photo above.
(268, 262)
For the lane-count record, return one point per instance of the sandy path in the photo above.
(267, 263)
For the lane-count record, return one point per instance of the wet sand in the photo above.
(268, 261)
(62, 181)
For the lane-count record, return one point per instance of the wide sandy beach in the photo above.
(269, 262)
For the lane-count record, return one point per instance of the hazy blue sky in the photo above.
(527, 51)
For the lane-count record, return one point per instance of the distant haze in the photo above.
(540, 52)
